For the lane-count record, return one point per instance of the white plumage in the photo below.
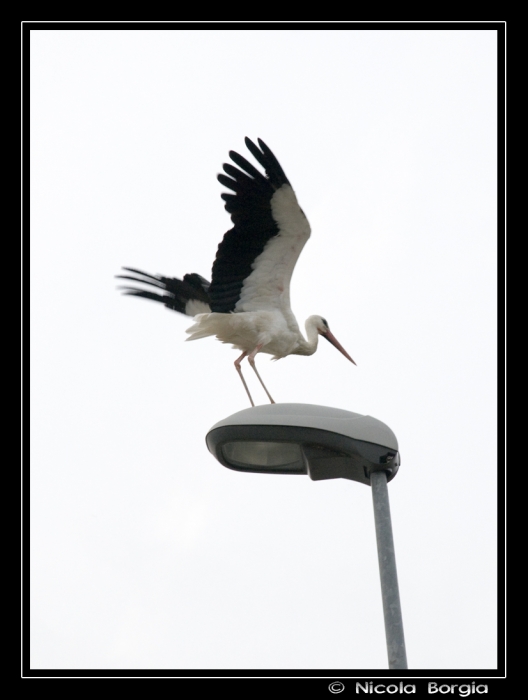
(247, 302)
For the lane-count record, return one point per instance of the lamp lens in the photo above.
(280, 456)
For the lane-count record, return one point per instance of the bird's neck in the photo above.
(309, 346)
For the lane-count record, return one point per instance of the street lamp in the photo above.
(325, 443)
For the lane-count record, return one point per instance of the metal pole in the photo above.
(389, 579)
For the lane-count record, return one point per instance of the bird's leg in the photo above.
(239, 370)
(251, 360)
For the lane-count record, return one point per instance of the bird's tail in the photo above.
(188, 296)
(207, 324)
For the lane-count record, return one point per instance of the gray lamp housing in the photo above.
(291, 438)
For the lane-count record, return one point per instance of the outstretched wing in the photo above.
(188, 296)
(255, 260)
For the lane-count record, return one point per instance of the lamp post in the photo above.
(325, 443)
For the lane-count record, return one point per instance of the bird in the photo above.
(247, 301)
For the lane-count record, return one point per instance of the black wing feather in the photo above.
(176, 293)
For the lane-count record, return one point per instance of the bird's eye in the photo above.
(325, 322)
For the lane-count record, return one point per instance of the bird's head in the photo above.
(321, 324)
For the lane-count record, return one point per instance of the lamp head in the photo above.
(325, 443)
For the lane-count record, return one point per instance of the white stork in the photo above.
(247, 302)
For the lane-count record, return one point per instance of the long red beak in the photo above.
(335, 342)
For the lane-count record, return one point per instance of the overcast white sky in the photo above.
(146, 552)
